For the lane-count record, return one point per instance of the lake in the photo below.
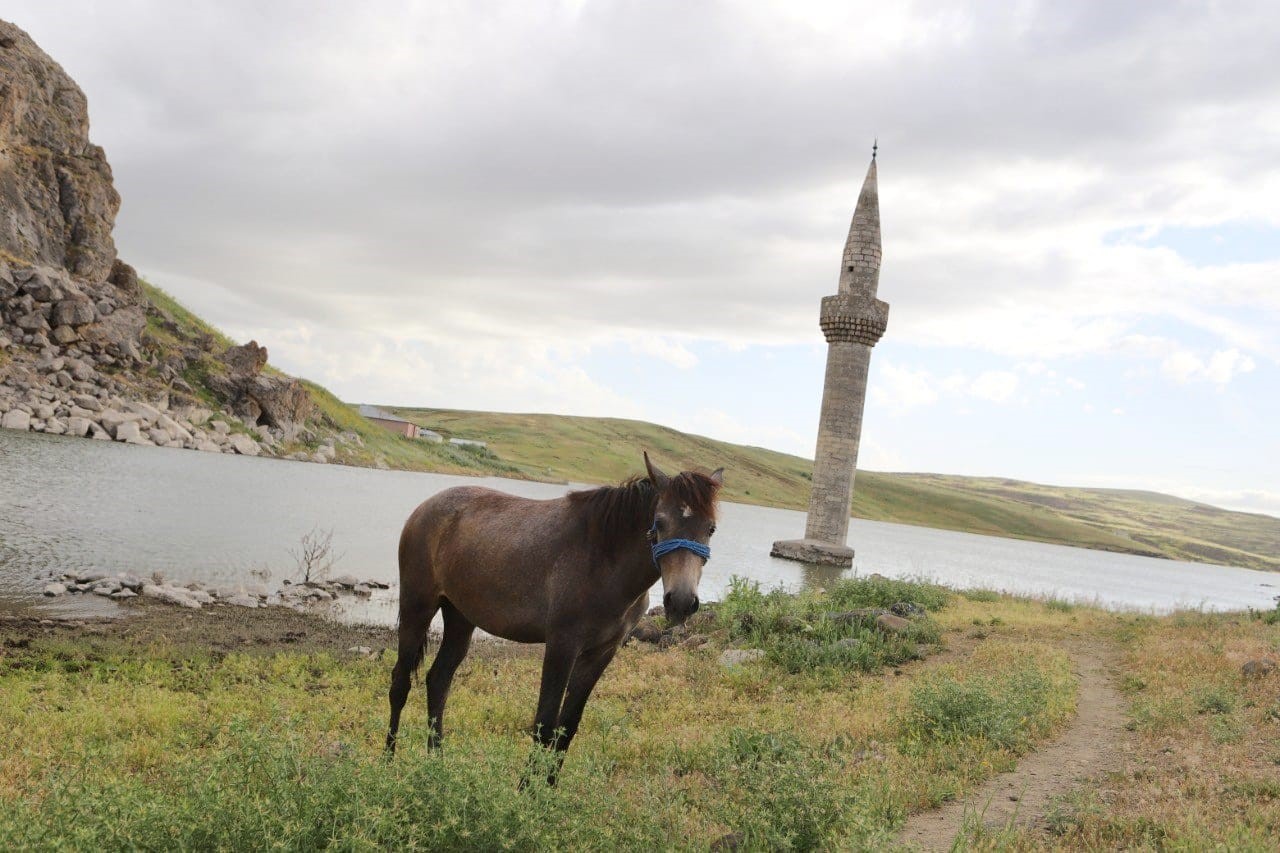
(69, 503)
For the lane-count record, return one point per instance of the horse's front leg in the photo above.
(590, 666)
(557, 666)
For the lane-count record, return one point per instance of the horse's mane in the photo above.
(615, 513)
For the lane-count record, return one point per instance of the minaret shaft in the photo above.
(839, 431)
(852, 321)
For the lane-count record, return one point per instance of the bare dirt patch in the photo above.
(224, 630)
(1091, 745)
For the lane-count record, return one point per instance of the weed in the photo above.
(1215, 700)
(998, 709)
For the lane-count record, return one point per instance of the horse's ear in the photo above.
(717, 476)
(659, 479)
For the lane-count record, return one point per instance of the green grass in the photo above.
(109, 744)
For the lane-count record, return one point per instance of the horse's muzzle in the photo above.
(679, 606)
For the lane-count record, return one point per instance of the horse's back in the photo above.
(488, 552)
(469, 523)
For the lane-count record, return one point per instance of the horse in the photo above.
(573, 573)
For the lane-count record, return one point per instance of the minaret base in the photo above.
(813, 551)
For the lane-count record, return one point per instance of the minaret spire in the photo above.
(852, 321)
(860, 266)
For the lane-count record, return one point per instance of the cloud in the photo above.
(900, 389)
(671, 352)
(995, 386)
(1185, 366)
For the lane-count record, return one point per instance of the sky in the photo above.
(633, 209)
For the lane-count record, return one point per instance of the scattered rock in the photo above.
(1260, 668)
(728, 843)
(171, 595)
(55, 589)
(892, 624)
(122, 594)
(906, 609)
(646, 631)
(737, 657)
(243, 601)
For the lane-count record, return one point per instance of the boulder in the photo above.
(120, 334)
(344, 581)
(16, 419)
(171, 595)
(246, 359)
(128, 431)
(64, 335)
(87, 401)
(32, 322)
(76, 311)
(111, 419)
(55, 589)
(244, 445)
(125, 279)
(243, 601)
(148, 413)
(284, 401)
(122, 594)
(77, 426)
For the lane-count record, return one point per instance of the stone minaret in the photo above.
(852, 321)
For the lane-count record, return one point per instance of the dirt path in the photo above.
(1090, 745)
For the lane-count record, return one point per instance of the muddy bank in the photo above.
(222, 630)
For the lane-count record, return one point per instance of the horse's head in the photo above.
(683, 522)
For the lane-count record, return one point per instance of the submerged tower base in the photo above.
(813, 551)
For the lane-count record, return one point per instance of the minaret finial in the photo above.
(874, 145)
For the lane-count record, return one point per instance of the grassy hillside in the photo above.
(603, 450)
(606, 450)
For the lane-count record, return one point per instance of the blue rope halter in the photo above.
(666, 546)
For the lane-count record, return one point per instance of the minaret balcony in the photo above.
(853, 318)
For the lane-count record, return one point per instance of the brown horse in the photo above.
(573, 573)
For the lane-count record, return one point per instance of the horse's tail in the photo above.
(419, 598)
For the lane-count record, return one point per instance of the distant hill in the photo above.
(605, 450)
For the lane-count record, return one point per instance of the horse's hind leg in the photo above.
(413, 638)
(453, 648)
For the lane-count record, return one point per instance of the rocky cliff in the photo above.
(84, 349)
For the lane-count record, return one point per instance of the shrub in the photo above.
(805, 632)
(1006, 710)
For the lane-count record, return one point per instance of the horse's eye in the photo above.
(712, 531)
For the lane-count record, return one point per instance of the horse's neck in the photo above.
(634, 570)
